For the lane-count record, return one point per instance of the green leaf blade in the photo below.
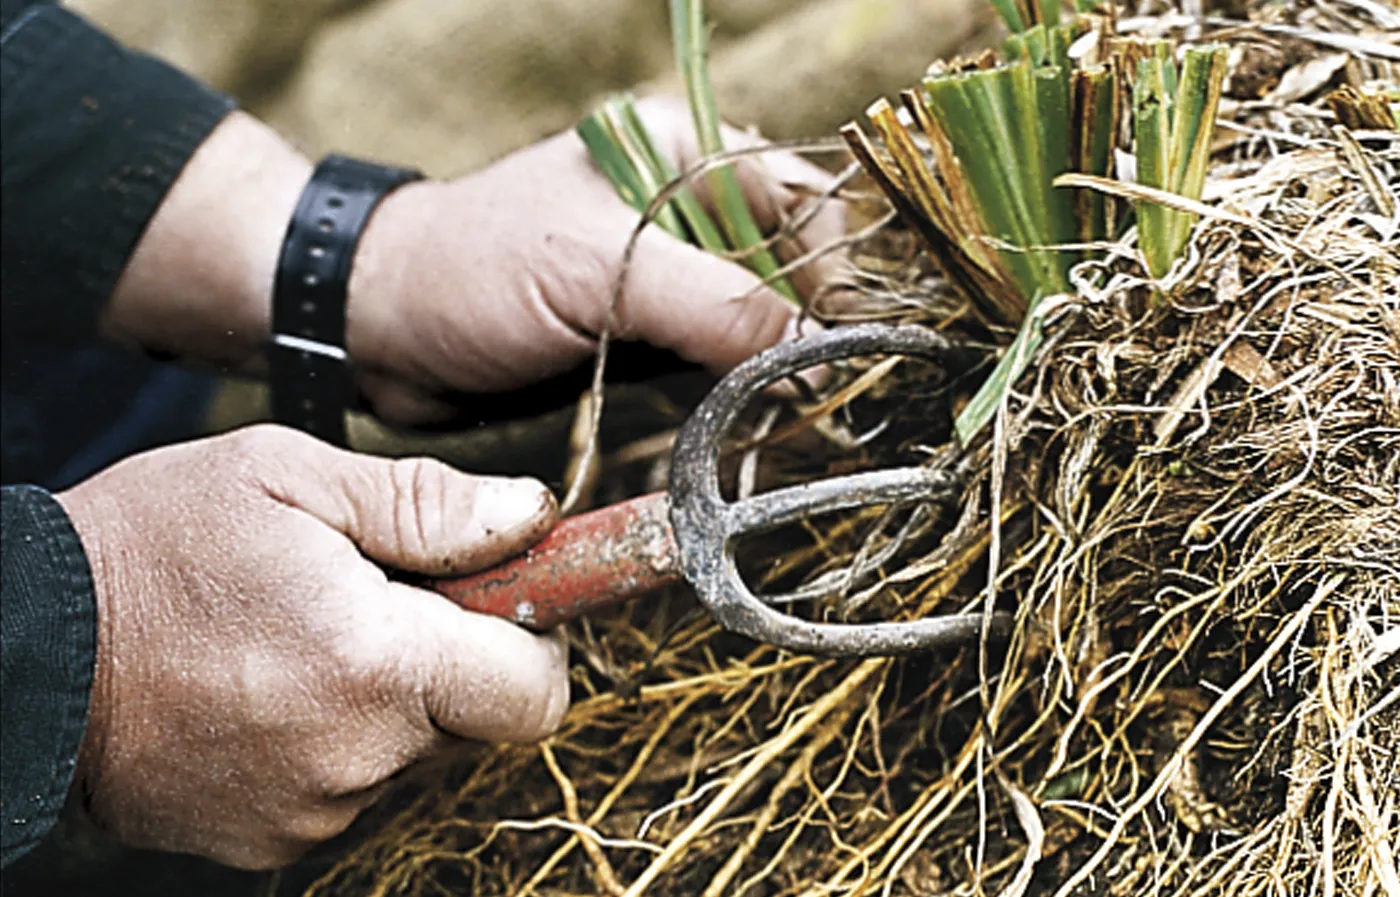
(736, 220)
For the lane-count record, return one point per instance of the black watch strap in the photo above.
(308, 368)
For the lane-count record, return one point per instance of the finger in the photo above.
(414, 514)
(786, 192)
(789, 197)
(482, 677)
(702, 307)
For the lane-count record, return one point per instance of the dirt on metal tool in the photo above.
(616, 553)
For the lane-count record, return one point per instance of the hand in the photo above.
(258, 678)
(484, 283)
(505, 276)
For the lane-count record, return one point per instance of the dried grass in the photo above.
(1192, 505)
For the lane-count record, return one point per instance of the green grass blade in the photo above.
(1053, 122)
(1012, 97)
(1162, 50)
(1029, 45)
(1009, 368)
(702, 229)
(735, 218)
(605, 146)
(1011, 14)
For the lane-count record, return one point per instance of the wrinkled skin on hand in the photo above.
(259, 677)
(503, 277)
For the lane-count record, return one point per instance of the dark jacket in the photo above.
(91, 137)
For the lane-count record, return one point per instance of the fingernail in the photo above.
(506, 504)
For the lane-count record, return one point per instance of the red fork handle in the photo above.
(587, 562)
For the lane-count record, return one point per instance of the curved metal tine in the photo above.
(695, 457)
(705, 523)
(838, 582)
(762, 623)
(899, 486)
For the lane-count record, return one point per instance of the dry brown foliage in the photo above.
(1191, 503)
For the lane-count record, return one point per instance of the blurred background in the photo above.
(449, 86)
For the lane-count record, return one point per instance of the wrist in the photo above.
(199, 283)
(88, 516)
(375, 319)
(309, 368)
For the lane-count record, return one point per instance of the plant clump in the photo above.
(1186, 490)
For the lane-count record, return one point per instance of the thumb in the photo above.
(414, 514)
(478, 676)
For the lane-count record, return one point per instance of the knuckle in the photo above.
(325, 778)
(421, 504)
(261, 437)
(253, 453)
(364, 657)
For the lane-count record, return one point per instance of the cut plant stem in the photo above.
(987, 204)
(1173, 124)
(1094, 115)
(1152, 135)
(1011, 150)
(946, 204)
(1193, 126)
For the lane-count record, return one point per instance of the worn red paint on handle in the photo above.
(587, 562)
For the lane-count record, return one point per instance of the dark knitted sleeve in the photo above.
(92, 135)
(48, 645)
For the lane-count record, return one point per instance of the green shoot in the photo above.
(1173, 124)
(626, 169)
(988, 398)
(1021, 15)
(691, 42)
(617, 139)
(622, 148)
(702, 229)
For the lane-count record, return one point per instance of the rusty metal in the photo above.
(586, 563)
(620, 552)
(708, 527)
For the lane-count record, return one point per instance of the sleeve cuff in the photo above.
(48, 645)
(93, 137)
